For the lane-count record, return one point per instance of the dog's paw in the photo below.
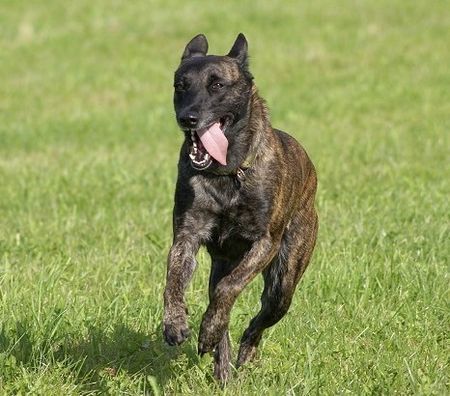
(211, 332)
(222, 372)
(176, 332)
(246, 354)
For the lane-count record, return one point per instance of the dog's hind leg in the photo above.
(280, 280)
(222, 353)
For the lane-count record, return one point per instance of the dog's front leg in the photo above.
(216, 318)
(180, 267)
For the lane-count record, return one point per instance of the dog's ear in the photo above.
(239, 51)
(198, 46)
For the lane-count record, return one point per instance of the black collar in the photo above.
(238, 173)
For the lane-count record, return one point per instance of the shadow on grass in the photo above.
(103, 356)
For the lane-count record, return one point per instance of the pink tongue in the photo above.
(215, 142)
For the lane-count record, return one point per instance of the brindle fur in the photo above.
(265, 223)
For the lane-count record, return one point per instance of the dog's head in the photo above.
(211, 98)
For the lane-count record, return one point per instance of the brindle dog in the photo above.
(253, 208)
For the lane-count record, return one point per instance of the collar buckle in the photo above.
(240, 174)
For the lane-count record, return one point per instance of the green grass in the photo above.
(88, 151)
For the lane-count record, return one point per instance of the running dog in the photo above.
(245, 191)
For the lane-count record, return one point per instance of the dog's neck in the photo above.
(258, 125)
(253, 132)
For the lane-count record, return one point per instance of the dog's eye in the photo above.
(216, 86)
(179, 87)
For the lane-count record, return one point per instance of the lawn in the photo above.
(88, 153)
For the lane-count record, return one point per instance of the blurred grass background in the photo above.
(88, 152)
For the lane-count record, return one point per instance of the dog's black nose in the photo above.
(189, 120)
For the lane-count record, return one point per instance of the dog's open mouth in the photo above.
(209, 144)
(200, 158)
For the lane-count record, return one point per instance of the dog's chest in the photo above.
(238, 222)
(238, 212)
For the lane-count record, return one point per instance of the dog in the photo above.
(245, 191)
